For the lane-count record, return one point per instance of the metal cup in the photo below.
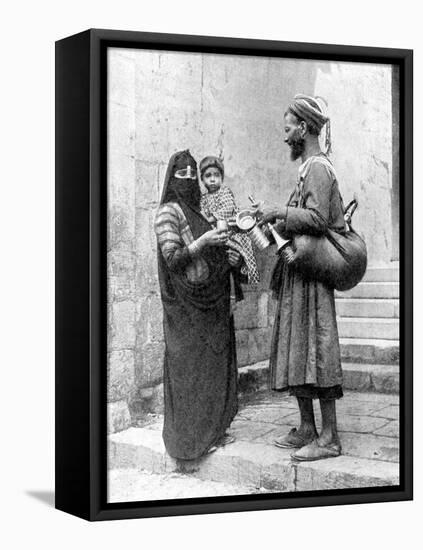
(259, 238)
(222, 225)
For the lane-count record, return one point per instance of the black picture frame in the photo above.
(81, 298)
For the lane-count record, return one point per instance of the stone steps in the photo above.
(368, 350)
(368, 317)
(383, 273)
(374, 289)
(368, 327)
(357, 377)
(133, 484)
(368, 307)
(248, 464)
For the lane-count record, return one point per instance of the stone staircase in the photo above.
(368, 318)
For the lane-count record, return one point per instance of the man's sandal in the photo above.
(293, 440)
(314, 451)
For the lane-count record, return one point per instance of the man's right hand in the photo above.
(269, 214)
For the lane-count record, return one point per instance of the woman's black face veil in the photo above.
(185, 190)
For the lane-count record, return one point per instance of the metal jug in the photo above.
(246, 220)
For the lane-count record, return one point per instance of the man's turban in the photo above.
(308, 109)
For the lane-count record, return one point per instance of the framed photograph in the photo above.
(233, 274)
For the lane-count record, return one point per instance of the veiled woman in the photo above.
(200, 371)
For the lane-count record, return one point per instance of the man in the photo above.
(305, 353)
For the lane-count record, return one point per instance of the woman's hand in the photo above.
(234, 257)
(214, 237)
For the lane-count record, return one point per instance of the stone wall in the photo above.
(161, 102)
(359, 97)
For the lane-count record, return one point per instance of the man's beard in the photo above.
(297, 147)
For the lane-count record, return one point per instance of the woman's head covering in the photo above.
(308, 109)
(181, 183)
(214, 162)
(181, 186)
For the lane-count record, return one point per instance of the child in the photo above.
(219, 204)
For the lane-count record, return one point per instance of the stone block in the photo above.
(120, 374)
(149, 319)
(365, 350)
(120, 227)
(346, 472)
(242, 348)
(259, 344)
(252, 378)
(146, 184)
(379, 378)
(357, 379)
(385, 379)
(146, 243)
(121, 130)
(360, 424)
(140, 448)
(278, 477)
(219, 466)
(391, 429)
(146, 401)
(370, 446)
(121, 184)
(272, 305)
(118, 417)
(366, 307)
(157, 400)
(146, 278)
(371, 290)
(391, 412)
(121, 78)
(248, 473)
(262, 309)
(270, 415)
(246, 313)
(121, 273)
(149, 363)
(382, 274)
(121, 333)
(361, 327)
(249, 431)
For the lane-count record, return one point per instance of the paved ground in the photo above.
(368, 422)
(140, 469)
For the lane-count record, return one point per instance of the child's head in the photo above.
(212, 173)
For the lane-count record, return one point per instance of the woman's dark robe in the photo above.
(200, 370)
(305, 353)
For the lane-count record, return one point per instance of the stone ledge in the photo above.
(357, 377)
(249, 464)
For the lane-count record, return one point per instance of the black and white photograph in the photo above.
(253, 275)
(211, 275)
